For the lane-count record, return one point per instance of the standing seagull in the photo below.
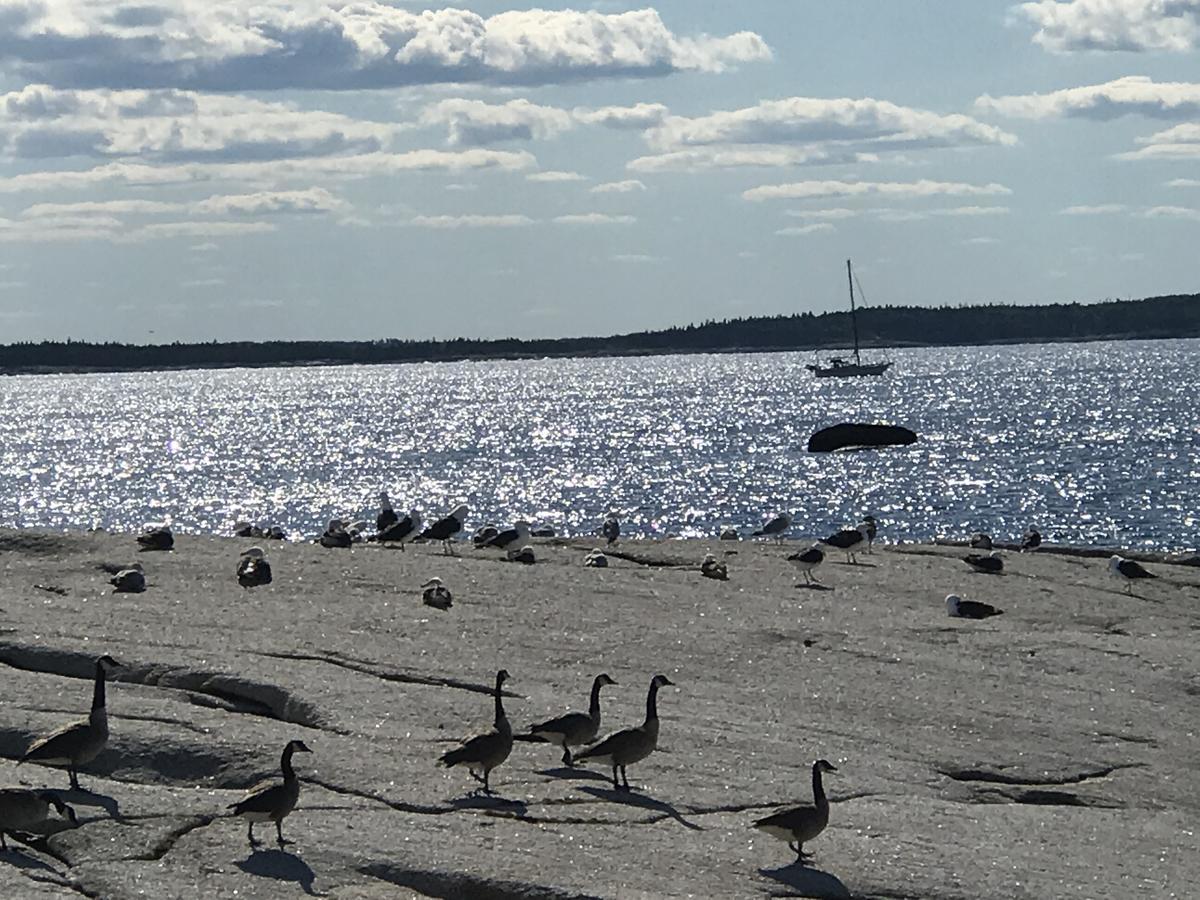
(849, 540)
(801, 824)
(401, 531)
(387, 516)
(611, 529)
(79, 742)
(807, 560)
(633, 744)
(270, 800)
(253, 570)
(776, 527)
(487, 751)
(445, 529)
(992, 563)
(24, 810)
(1031, 539)
(1119, 567)
(958, 608)
(511, 538)
(576, 727)
(872, 530)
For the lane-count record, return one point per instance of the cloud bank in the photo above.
(1115, 25)
(1133, 95)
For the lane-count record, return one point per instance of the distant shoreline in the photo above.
(1175, 317)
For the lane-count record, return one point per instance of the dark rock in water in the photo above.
(850, 434)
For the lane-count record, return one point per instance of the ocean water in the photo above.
(1093, 443)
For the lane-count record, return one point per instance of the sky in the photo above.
(199, 170)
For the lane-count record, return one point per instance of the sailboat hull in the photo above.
(849, 370)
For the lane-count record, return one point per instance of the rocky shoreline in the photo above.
(1047, 752)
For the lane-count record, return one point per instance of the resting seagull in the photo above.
(775, 528)
(253, 570)
(387, 516)
(129, 581)
(980, 541)
(402, 531)
(710, 567)
(808, 560)
(436, 594)
(446, 528)
(992, 563)
(1119, 567)
(156, 537)
(510, 538)
(958, 608)
(849, 540)
(1031, 539)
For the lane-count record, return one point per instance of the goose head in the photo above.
(107, 663)
(824, 765)
(298, 747)
(605, 679)
(61, 808)
(661, 681)
(501, 677)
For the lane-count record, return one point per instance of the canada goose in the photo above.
(253, 569)
(872, 530)
(402, 531)
(576, 727)
(1031, 539)
(387, 516)
(24, 810)
(596, 559)
(849, 540)
(336, 535)
(958, 608)
(611, 529)
(807, 560)
(129, 581)
(775, 528)
(487, 751)
(156, 537)
(980, 541)
(633, 744)
(711, 568)
(1127, 569)
(801, 824)
(271, 800)
(79, 742)
(521, 554)
(991, 564)
(446, 528)
(436, 594)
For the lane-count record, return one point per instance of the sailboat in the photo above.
(840, 367)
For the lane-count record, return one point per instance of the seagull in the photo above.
(336, 535)
(729, 533)
(849, 540)
(872, 530)
(596, 559)
(253, 569)
(1119, 567)
(992, 563)
(808, 560)
(1031, 539)
(156, 537)
(387, 516)
(611, 529)
(517, 536)
(436, 594)
(483, 534)
(959, 608)
(776, 527)
(445, 529)
(401, 531)
(711, 568)
(521, 555)
(980, 541)
(129, 581)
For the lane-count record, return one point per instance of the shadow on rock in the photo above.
(18, 858)
(569, 774)
(282, 866)
(632, 798)
(79, 797)
(490, 802)
(809, 882)
(815, 586)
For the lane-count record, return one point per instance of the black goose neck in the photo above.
(285, 763)
(501, 719)
(594, 705)
(98, 687)
(818, 786)
(652, 702)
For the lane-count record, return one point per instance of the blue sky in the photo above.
(187, 170)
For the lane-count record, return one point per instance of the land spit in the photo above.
(1047, 752)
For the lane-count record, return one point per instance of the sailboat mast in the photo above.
(853, 312)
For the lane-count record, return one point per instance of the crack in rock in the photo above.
(398, 805)
(403, 676)
(167, 842)
(993, 775)
(433, 883)
(1035, 797)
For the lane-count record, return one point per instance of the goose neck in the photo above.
(818, 787)
(594, 705)
(285, 763)
(652, 703)
(501, 719)
(98, 688)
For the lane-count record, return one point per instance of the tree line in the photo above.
(1173, 316)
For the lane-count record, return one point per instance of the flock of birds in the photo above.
(79, 742)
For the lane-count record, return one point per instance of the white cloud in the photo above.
(313, 200)
(827, 214)
(102, 207)
(619, 187)
(1180, 142)
(637, 117)
(1184, 183)
(470, 221)
(553, 177)
(635, 258)
(41, 122)
(803, 230)
(1101, 209)
(473, 123)
(980, 241)
(923, 188)
(1128, 25)
(357, 166)
(705, 158)
(594, 219)
(323, 45)
(198, 229)
(1172, 212)
(866, 123)
(1133, 95)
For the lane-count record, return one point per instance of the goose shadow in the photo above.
(809, 882)
(576, 774)
(814, 586)
(856, 565)
(632, 798)
(19, 858)
(480, 800)
(282, 866)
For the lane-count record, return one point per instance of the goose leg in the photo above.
(250, 834)
(624, 778)
(487, 789)
(567, 760)
(3, 844)
(279, 832)
(616, 784)
(74, 777)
